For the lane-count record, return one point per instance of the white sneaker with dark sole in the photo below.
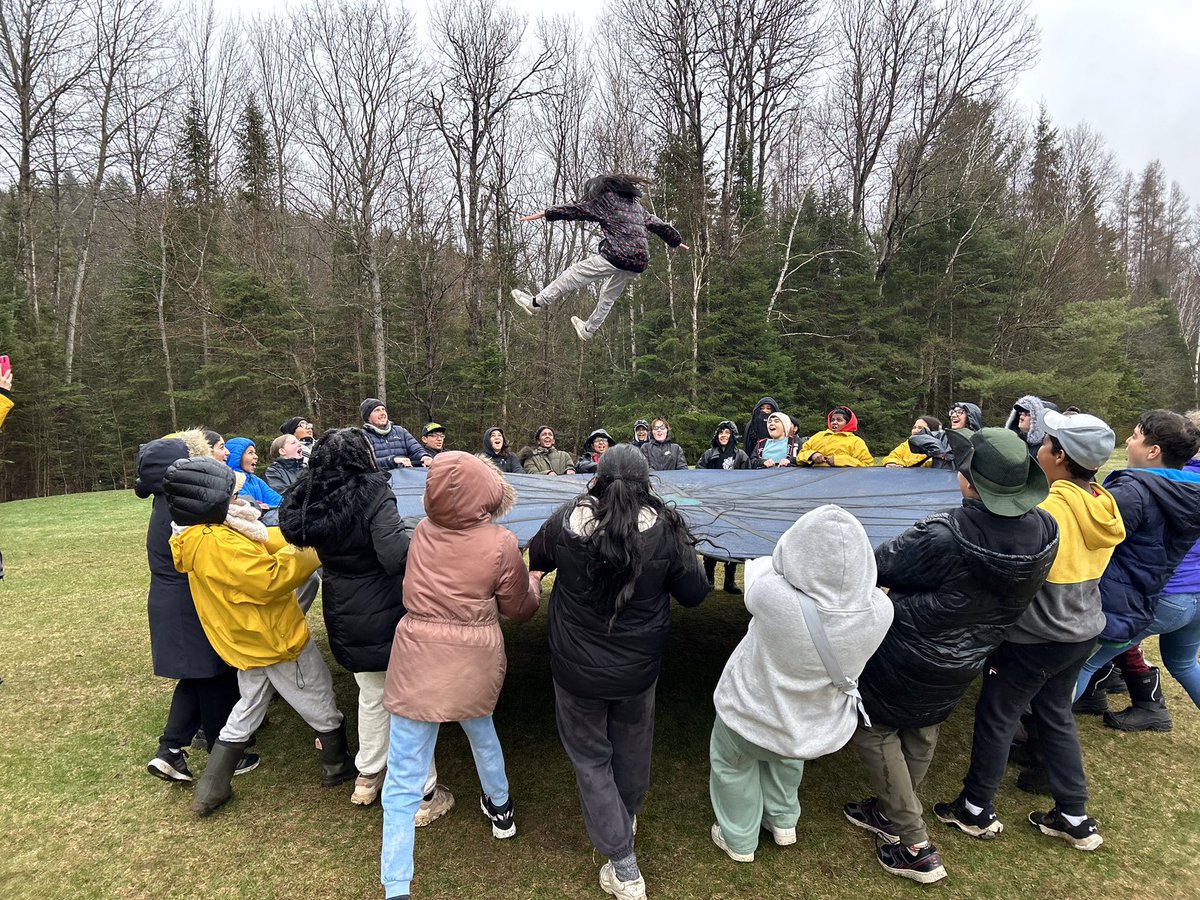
(622, 890)
(525, 301)
(719, 840)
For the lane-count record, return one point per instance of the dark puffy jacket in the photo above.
(354, 526)
(724, 457)
(397, 442)
(198, 491)
(1186, 579)
(505, 460)
(585, 658)
(756, 428)
(959, 580)
(624, 222)
(179, 648)
(664, 456)
(1161, 512)
(282, 474)
(589, 460)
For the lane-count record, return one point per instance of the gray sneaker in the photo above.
(524, 301)
(581, 328)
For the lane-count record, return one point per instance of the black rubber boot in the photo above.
(1094, 700)
(731, 585)
(336, 765)
(1115, 682)
(215, 789)
(710, 571)
(1149, 710)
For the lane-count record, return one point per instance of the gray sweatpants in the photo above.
(583, 273)
(306, 685)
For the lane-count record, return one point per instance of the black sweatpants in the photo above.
(609, 743)
(199, 702)
(1042, 677)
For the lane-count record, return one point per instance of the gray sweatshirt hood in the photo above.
(838, 575)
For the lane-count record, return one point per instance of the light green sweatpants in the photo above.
(750, 785)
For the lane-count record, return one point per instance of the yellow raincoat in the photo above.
(904, 456)
(243, 591)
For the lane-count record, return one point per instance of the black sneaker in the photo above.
(248, 763)
(1084, 836)
(503, 823)
(984, 826)
(915, 863)
(867, 814)
(170, 765)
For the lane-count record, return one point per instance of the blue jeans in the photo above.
(1177, 620)
(410, 751)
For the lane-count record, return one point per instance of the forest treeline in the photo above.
(229, 222)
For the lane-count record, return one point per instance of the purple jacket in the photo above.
(624, 222)
(1186, 579)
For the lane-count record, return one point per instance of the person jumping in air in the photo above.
(614, 202)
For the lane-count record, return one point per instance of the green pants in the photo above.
(750, 785)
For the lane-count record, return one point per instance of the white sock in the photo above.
(971, 807)
(1074, 821)
(920, 846)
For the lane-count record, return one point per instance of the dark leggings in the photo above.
(196, 703)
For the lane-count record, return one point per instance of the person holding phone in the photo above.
(6, 402)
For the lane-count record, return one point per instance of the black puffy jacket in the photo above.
(198, 491)
(353, 524)
(179, 648)
(1161, 512)
(959, 580)
(585, 658)
(283, 473)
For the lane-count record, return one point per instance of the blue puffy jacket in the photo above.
(1161, 511)
(254, 487)
(397, 442)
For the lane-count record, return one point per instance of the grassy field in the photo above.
(80, 713)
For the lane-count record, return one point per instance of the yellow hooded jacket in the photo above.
(1067, 608)
(904, 456)
(243, 591)
(847, 449)
(5, 405)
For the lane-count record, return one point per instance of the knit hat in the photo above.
(537, 435)
(198, 491)
(431, 427)
(784, 419)
(290, 426)
(1000, 469)
(1086, 439)
(369, 406)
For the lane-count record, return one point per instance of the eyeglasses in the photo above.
(660, 427)
(956, 411)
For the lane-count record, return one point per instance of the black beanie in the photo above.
(198, 491)
(369, 406)
(290, 426)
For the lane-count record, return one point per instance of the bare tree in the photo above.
(483, 76)
(356, 60)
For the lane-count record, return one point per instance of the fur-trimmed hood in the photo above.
(197, 444)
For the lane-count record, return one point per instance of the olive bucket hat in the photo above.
(997, 463)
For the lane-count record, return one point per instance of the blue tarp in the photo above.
(739, 514)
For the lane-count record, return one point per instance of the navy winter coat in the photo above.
(397, 442)
(353, 524)
(179, 648)
(1161, 511)
(959, 580)
(585, 657)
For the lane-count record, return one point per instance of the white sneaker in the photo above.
(581, 328)
(622, 890)
(719, 840)
(367, 788)
(784, 837)
(434, 808)
(524, 301)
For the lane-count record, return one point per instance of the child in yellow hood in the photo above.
(837, 445)
(243, 578)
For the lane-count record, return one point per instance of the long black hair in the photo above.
(617, 496)
(341, 455)
(616, 183)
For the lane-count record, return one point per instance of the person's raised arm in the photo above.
(389, 538)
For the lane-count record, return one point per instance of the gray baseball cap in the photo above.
(1086, 439)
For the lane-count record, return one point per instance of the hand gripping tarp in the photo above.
(738, 514)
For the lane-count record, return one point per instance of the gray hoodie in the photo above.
(775, 691)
